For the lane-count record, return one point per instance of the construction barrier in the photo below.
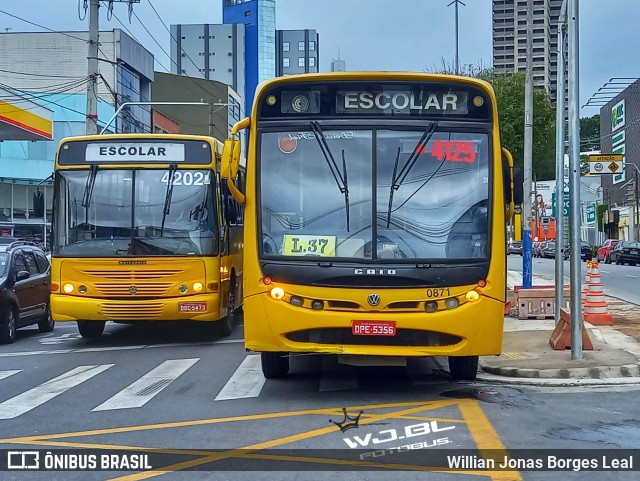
(538, 302)
(595, 309)
(561, 336)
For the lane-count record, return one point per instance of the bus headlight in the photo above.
(431, 306)
(197, 286)
(296, 301)
(277, 293)
(472, 296)
(451, 303)
(183, 289)
(82, 289)
(67, 288)
(317, 305)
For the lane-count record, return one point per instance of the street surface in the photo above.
(189, 398)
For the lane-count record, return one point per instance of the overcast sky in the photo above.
(413, 35)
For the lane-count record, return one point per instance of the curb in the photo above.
(568, 382)
(626, 374)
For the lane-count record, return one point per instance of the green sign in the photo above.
(591, 212)
(565, 204)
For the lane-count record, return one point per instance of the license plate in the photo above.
(634, 253)
(373, 328)
(192, 306)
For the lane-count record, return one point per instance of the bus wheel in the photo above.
(91, 329)
(275, 364)
(463, 368)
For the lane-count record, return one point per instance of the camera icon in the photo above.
(23, 460)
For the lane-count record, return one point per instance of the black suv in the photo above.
(25, 274)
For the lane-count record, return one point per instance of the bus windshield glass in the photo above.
(422, 192)
(135, 212)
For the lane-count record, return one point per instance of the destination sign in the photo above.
(135, 152)
(437, 102)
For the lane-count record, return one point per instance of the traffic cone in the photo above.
(587, 281)
(595, 307)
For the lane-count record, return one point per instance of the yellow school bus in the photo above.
(144, 230)
(376, 206)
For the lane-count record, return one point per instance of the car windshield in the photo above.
(4, 260)
(325, 192)
(123, 212)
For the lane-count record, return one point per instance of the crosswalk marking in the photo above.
(337, 377)
(144, 389)
(246, 381)
(5, 374)
(33, 398)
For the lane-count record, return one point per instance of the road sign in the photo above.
(591, 212)
(565, 204)
(605, 163)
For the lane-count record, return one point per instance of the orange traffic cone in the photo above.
(587, 281)
(595, 307)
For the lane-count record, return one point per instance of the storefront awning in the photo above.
(22, 119)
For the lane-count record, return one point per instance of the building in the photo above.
(510, 39)
(210, 51)
(259, 20)
(297, 51)
(50, 69)
(338, 65)
(620, 134)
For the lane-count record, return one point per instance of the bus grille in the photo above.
(403, 337)
(131, 311)
(144, 289)
(130, 275)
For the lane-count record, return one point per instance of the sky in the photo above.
(409, 35)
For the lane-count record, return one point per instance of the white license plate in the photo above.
(192, 306)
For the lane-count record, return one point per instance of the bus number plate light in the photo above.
(192, 306)
(373, 328)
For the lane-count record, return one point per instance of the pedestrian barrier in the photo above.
(595, 310)
(538, 302)
(561, 336)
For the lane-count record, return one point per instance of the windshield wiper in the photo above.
(88, 191)
(398, 180)
(340, 178)
(168, 195)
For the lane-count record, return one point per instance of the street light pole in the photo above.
(456, 2)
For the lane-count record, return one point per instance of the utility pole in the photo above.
(560, 104)
(574, 182)
(92, 85)
(527, 274)
(457, 59)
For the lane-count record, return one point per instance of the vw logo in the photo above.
(133, 290)
(373, 299)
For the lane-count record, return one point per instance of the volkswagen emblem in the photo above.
(133, 290)
(373, 299)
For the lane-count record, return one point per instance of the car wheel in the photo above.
(91, 329)
(607, 260)
(463, 368)
(274, 364)
(618, 262)
(8, 325)
(46, 324)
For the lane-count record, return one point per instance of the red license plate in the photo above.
(192, 306)
(373, 328)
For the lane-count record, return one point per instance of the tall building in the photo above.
(510, 39)
(208, 51)
(297, 51)
(259, 19)
(338, 65)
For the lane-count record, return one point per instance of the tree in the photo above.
(590, 133)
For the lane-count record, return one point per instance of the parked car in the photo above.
(602, 254)
(514, 247)
(25, 276)
(626, 252)
(586, 253)
(548, 249)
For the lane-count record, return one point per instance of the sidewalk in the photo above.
(528, 358)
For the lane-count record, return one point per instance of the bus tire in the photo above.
(274, 364)
(8, 318)
(91, 329)
(463, 368)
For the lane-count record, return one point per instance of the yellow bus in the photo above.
(143, 230)
(376, 206)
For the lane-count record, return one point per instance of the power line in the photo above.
(42, 26)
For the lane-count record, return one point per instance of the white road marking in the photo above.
(246, 381)
(33, 398)
(144, 389)
(629, 275)
(5, 374)
(335, 376)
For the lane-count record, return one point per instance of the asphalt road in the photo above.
(187, 399)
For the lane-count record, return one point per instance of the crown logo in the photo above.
(352, 421)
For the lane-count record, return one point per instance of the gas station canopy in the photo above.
(22, 119)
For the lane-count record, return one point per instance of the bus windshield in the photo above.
(135, 212)
(427, 189)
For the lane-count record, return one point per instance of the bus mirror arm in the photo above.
(511, 191)
(237, 195)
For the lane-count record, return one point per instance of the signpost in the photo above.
(591, 212)
(605, 163)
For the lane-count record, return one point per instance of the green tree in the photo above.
(590, 133)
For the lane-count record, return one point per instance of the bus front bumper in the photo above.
(203, 307)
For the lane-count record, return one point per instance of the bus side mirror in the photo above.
(518, 185)
(230, 161)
